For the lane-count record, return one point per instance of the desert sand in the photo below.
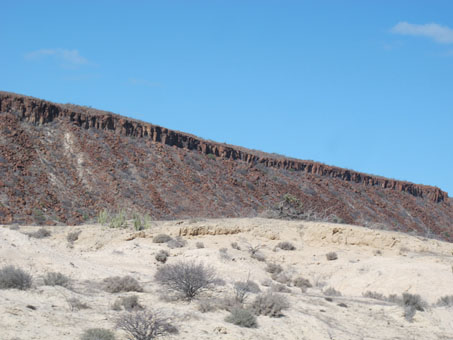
(368, 260)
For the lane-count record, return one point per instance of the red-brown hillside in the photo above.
(64, 163)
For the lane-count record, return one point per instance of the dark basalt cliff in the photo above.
(49, 147)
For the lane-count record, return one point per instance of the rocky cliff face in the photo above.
(65, 162)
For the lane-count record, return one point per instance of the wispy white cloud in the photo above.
(68, 57)
(439, 33)
(143, 82)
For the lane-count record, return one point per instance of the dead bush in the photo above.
(12, 277)
(270, 304)
(145, 325)
(118, 284)
(242, 317)
(57, 279)
(411, 304)
(186, 278)
(446, 301)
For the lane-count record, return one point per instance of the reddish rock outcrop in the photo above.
(65, 162)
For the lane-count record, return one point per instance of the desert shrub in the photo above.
(244, 288)
(207, 305)
(281, 277)
(145, 325)
(116, 284)
(161, 238)
(279, 288)
(235, 245)
(223, 253)
(40, 233)
(73, 236)
(331, 292)
(12, 277)
(253, 249)
(118, 220)
(162, 256)
(242, 317)
(141, 222)
(411, 304)
(286, 246)
(228, 303)
(331, 256)
(270, 304)
(302, 283)
(374, 295)
(177, 242)
(274, 268)
(446, 301)
(266, 282)
(199, 245)
(76, 304)
(103, 217)
(14, 227)
(56, 279)
(186, 278)
(129, 303)
(97, 334)
(259, 256)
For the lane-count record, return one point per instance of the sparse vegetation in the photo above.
(118, 220)
(446, 301)
(56, 279)
(118, 284)
(242, 317)
(302, 283)
(286, 246)
(162, 256)
(186, 278)
(235, 245)
(73, 236)
(40, 233)
(97, 334)
(161, 238)
(270, 304)
(103, 217)
(12, 277)
(145, 325)
(331, 292)
(243, 288)
(274, 268)
(331, 256)
(129, 303)
(177, 242)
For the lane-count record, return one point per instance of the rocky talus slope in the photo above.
(64, 163)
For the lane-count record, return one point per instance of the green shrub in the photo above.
(12, 277)
(141, 222)
(118, 220)
(242, 317)
(103, 217)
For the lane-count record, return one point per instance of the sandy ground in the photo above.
(368, 260)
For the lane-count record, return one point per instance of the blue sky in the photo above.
(366, 85)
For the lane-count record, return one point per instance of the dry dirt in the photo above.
(368, 260)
